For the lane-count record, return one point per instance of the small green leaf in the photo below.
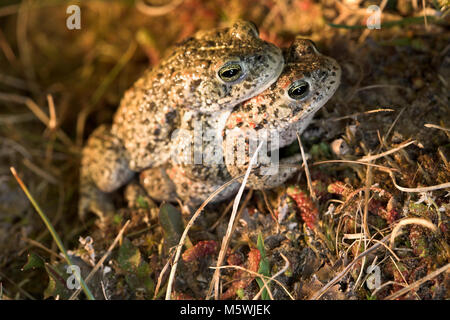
(145, 38)
(138, 272)
(117, 219)
(172, 223)
(240, 293)
(129, 256)
(264, 267)
(34, 262)
(320, 151)
(142, 202)
(57, 286)
(144, 274)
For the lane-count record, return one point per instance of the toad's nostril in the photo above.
(254, 28)
(259, 58)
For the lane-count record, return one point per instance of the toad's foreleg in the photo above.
(104, 169)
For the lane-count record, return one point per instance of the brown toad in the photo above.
(209, 72)
(309, 79)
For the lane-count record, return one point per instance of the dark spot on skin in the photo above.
(333, 73)
(195, 84)
(248, 85)
(170, 116)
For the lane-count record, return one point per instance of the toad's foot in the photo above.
(160, 184)
(96, 201)
(104, 169)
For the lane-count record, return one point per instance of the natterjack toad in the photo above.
(308, 81)
(210, 72)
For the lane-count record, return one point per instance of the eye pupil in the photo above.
(299, 91)
(230, 72)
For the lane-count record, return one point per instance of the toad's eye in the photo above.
(230, 72)
(299, 90)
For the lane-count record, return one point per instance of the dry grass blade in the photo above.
(173, 270)
(224, 213)
(226, 238)
(161, 275)
(256, 274)
(17, 286)
(377, 156)
(387, 248)
(157, 10)
(23, 44)
(413, 285)
(382, 168)
(430, 125)
(404, 222)
(8, 10)
(52, 232)
(368, 183)
(374, 86)
(40, 172)
(269, 207)
(101, 90)
(308, 175)
(102, 260)
(283, 270)
(41, 246)
(353, 115)
(16, 118)
(13, 82)
(333, 281)
(51, 109)
(367, 31)
(374, 293)
(383, 140)
(420, 189)
(425, 14)
(10, 97)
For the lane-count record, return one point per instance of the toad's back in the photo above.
(209, 72)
